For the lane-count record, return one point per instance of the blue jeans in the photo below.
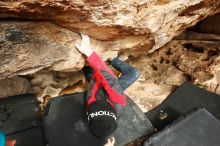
(129, 74)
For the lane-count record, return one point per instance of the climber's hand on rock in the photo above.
(84, 48)
(110, 142)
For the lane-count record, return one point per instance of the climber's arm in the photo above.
(84, 47)
(129, 73)
(96, 63)
(92, 58)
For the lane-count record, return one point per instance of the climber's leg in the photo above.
(129, 73)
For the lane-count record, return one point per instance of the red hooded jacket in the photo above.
(104, 78)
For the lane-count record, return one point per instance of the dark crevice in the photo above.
(191, 47)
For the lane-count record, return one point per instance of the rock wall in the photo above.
(27, 47)
(37, 43)
(158, 20)
(13, 86)
(171, 65)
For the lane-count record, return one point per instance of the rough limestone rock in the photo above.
(117, 27)
(27, 47)
(157, 20)
(52, 83)
(43, 42)
(13, 86)
(189, 57)
(178, 61)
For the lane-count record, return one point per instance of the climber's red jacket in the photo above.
(103, 79)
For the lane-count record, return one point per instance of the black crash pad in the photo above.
(184, 99)
(65, 123)
(28, 137)
(199, 128)
(20, 120)
(19, 113)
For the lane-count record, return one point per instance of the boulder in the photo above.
(158, 20)
(13, 86)
(28, 46)
(168, 67)
(37, 39)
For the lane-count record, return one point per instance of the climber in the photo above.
(105, 98)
